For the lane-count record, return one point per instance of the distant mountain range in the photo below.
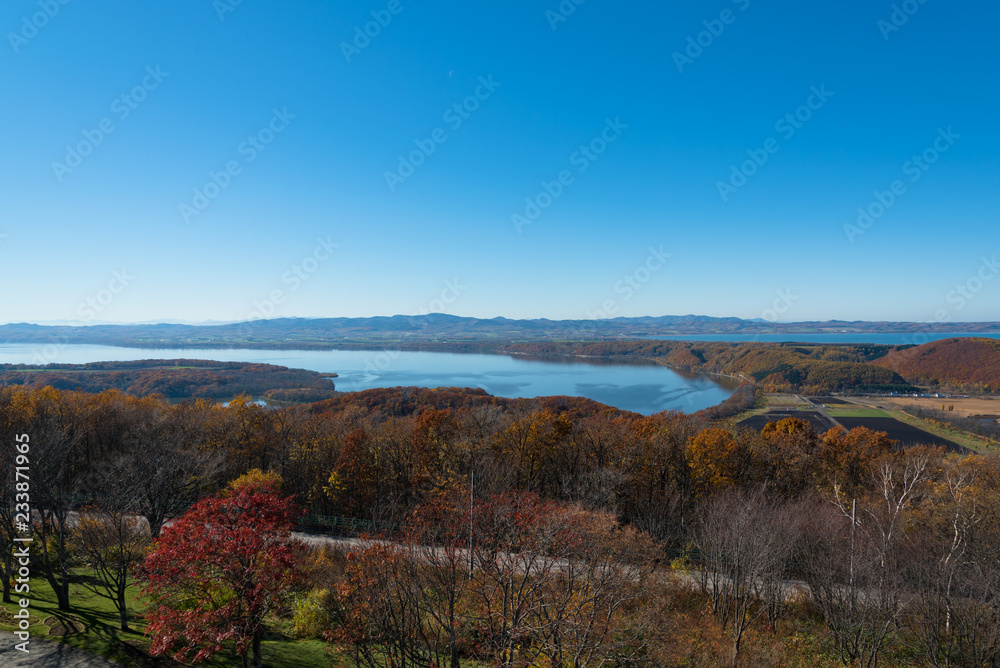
(91, 323)
(437, 327)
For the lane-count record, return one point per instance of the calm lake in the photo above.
(643, 388)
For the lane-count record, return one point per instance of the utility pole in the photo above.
(472, 494)
(854, 515)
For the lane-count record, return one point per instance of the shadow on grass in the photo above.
(92, 624)
(97, 620)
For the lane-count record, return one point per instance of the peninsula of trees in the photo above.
(176, 379)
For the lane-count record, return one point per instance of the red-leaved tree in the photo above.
(216, 573)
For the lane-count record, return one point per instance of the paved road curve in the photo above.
(45, 654)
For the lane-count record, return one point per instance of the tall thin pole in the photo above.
(472, 494)
(854, 514)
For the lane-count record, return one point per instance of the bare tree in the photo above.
(955, 617)
(744, 544)
(898, 483)
(378, 619)
(657, 494)
(584, 616)
(772, 585)
(852, 556)
(165, 454)
(58, 471)
(438, 559)
(855, 582)
(112, 540)
(514, 558)
(8, 461)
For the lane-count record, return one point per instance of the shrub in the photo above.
(310, 618)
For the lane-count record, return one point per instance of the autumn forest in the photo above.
(450, 527)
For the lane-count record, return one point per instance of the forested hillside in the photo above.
(971, 364)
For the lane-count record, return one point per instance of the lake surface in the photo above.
(834, 337)
(643, 388)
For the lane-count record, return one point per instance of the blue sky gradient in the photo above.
(317, 225)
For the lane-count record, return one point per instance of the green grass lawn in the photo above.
(860, 412)
(785, 401)
(101, 636)
(749, 413)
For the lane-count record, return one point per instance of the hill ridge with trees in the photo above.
(962, 363)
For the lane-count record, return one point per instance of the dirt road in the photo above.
(45, 654)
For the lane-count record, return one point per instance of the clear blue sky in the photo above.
(211, 75)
